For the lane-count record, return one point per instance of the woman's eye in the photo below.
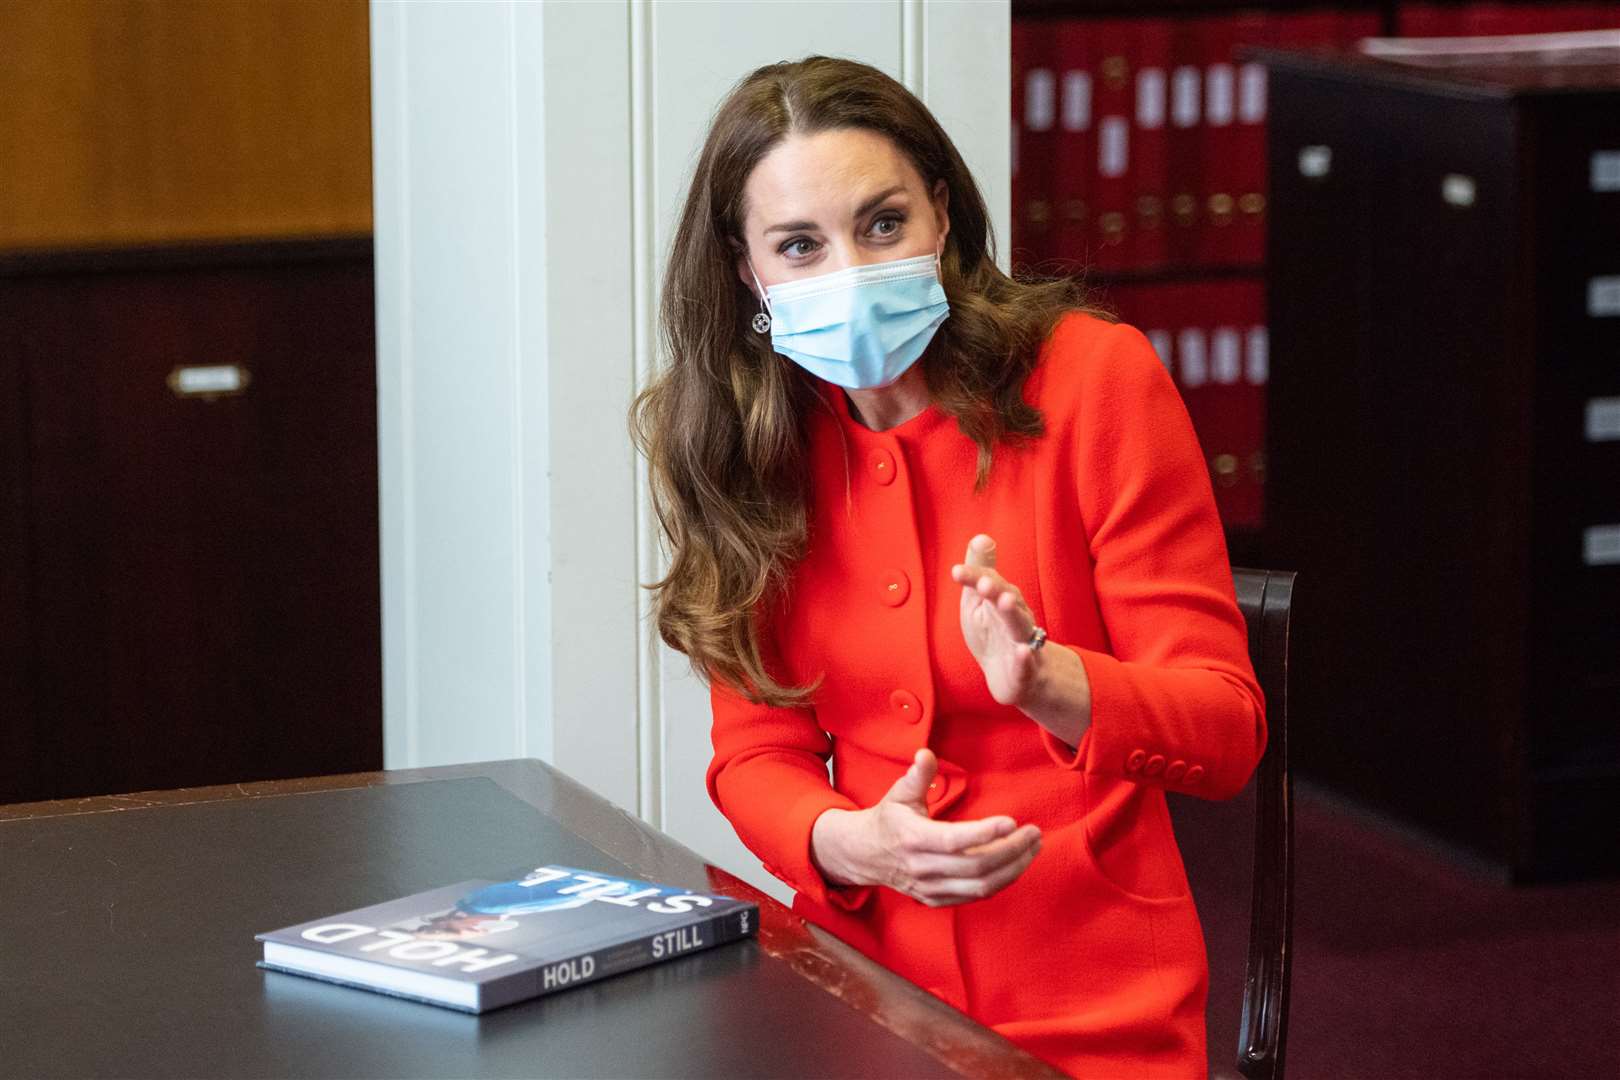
(894, 221)
(791, 247)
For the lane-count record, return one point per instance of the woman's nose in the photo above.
(842, 256)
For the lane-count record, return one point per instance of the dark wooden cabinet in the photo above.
(1444, 354)
(189, 590)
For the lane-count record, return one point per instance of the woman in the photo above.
(952, 533)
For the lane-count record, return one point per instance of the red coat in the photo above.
(1093, 959)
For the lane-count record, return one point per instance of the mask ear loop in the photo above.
(762, 320)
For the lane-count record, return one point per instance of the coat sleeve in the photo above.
(1175, 702)
(769, 778)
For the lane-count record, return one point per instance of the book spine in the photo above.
(691, 937)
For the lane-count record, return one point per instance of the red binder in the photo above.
(1074, 142)
(1429, 20)
(1182, 140)
(1018, 148)
(1232, 412)
(1150, 133)
(1212, 337)
(1493, 19)
(1215, 245)
(1035, 119)
(1249, 141)
(1111, 45)
(1355, 25)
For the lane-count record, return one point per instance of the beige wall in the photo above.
(147, 121)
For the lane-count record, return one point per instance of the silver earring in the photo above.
(762, 323)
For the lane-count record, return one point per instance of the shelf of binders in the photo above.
(1139, 164)
(1037, 9)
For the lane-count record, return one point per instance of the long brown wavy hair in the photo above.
(722, 425)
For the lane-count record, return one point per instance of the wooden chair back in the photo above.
(1266, 599)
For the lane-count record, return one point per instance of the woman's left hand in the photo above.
(1049, 685)
(996, 624)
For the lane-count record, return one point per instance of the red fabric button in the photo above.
(906, 705)
(1154, 766)
(894, 587)
(1194, 774)
(880, 463)
(1176, 770)
(1133, 764)
(947, 789)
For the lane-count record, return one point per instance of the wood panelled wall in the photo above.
(149, 121)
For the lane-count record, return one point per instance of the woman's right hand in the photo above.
(896, 843)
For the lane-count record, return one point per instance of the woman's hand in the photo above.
(1050, 686)
(996, 624)
(896, 843)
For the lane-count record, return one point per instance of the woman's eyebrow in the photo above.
(861, 211)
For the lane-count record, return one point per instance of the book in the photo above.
(479, 945)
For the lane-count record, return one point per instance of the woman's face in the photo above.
(821, 203)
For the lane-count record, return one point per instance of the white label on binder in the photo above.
(1603, 296)
(1458, 190)
(1218, 95)
(1603, 419)
(1259, 358)
(1252, 93)
(1190, 357)
(1076, 100)
(1315, 162)
(1184, 87)
(1160, 340)
(218, 379)
(1039, 107)
(1226, 356)
(1113, 146)
(1150, 94)
(1602, 545)
(1606, 170)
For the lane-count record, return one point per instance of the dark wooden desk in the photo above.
(127, 923)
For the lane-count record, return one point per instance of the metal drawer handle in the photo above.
(209, 382)
(1458, 190)
(1315, 162)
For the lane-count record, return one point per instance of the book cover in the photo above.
(478, 945)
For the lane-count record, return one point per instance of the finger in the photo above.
(964, 890)
(1023, 835)
(1015, 616)
(976, 862)
(1004, 597)
(981, 551)
(984, 580)
(912, 787)
(992, 586)
(952, 837)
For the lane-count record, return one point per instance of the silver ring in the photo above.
(1037, 639)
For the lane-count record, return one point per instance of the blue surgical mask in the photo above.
(861, 327)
